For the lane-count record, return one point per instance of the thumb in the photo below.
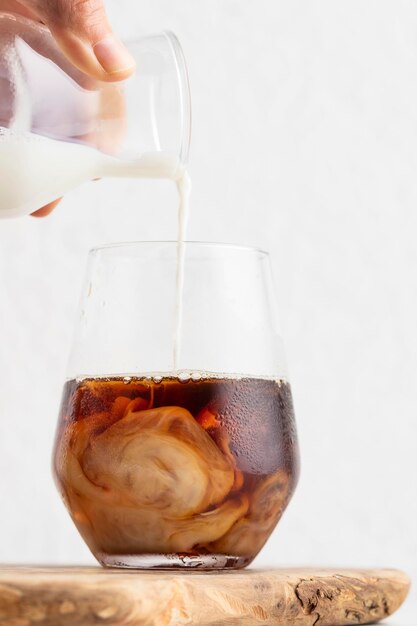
(83, 32)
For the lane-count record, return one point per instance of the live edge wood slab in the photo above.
(40, 596)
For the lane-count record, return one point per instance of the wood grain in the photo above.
(40, 596)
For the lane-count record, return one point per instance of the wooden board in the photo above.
(40, 596)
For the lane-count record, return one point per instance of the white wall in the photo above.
(305, 143)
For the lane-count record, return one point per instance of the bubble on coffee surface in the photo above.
(184, 375)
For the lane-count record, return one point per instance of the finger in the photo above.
(29, 28)
(83, 32)
(47, 209)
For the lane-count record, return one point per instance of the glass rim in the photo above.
(185, 93)
(172, 242)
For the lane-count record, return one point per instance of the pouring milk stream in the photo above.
(36, 170)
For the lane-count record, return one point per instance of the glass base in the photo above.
(173, 561)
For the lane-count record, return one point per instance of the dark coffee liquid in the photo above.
(164, 472)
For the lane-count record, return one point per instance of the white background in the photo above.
(305, 143)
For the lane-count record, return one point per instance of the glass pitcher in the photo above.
(60, 127)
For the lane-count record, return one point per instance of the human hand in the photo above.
(83, 33)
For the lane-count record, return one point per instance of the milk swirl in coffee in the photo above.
(176, 472)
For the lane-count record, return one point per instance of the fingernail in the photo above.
(112, 55)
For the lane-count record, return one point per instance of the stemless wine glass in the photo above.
(185, 457)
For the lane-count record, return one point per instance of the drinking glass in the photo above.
(176, 444)
(43, 93)
(60, 128)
